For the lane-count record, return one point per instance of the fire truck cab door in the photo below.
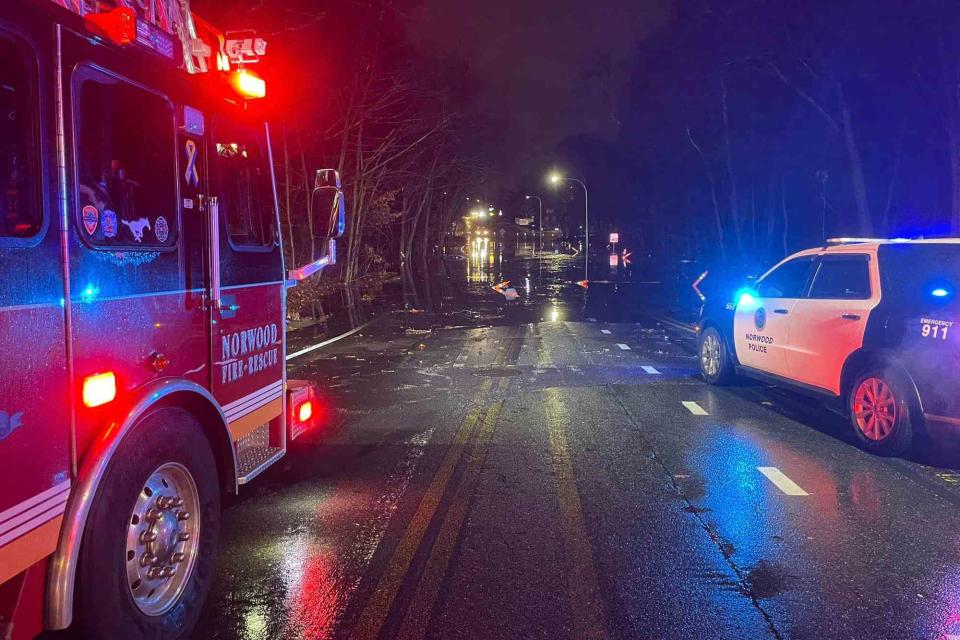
(137, 302)
(34, 398)
(248, 319)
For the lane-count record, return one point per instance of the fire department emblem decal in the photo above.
(760, 318)
(91, 218)
(161, 229)
(108, 223)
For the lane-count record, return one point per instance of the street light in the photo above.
(555, 179)
(541, 220)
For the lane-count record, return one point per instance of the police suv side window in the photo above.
(786, 281)
(244, 186)
(126, 164)
(842, 278)
(20, 215)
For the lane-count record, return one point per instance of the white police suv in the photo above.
(867, 324)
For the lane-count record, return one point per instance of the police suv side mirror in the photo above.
(327, 206)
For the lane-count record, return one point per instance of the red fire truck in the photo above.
(142, 309)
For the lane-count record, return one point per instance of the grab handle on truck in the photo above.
(214, 230)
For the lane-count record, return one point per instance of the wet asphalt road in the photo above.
(552, 467)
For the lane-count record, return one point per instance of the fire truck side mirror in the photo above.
(328, 211)
(327, 178)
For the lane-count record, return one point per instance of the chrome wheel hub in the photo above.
(875, 409)
(162, 539)
(710, 355)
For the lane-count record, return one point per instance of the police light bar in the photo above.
(860, 240)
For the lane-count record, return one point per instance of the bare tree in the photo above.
(718, 219)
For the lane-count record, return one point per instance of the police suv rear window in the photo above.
(126, 164)
(918, 275)
(20, 215)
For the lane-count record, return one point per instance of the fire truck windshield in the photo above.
(18, 206)
(126, 164)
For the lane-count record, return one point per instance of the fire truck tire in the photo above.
(146, 562)
(880, 411)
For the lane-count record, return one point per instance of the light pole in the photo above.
(541, 220)
(556, 179)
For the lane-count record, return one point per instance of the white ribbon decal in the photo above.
(192, 176)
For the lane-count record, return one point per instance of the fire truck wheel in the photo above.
(148, 549)
(880, 412)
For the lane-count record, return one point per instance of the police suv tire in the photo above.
(903, 429)
(104, 605)
(713, 355)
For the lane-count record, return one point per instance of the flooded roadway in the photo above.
(552, 467)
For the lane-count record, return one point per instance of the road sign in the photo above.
(614, 238)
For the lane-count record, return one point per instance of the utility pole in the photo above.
(540, 223)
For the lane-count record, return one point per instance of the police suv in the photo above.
(866, 324)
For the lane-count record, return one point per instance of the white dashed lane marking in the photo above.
(649, 369)
(623, 346)
(785, 484)
(605, 331)
(694, 408)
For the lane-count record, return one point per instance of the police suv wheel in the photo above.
(880, 412)
(715, 364)
(148, 549)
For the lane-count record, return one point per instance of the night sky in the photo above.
(608, 93)
(545, 71)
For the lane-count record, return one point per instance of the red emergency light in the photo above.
(305, 412)
(304, 409)
(119, 25)
(99, 389)
(247, 84)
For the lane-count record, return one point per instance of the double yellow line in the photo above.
(414, 624)
(586, 606)
(583, 588)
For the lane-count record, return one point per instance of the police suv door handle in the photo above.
(780, 311)
(850, 316)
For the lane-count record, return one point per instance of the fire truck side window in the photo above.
(126, 165)
(241, 173)
(19, 214)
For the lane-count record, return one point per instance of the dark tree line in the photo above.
(757, 127)
(348, 90)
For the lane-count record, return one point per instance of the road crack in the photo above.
(746, 580)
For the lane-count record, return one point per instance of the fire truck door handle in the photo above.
(850, 316)
(780, 311)
(213, 217)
